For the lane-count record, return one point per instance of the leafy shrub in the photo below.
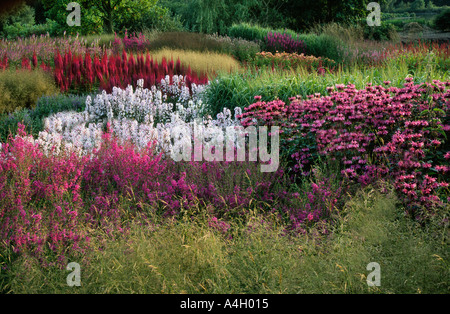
(322, 46)
(25, 30)
(385, 31)
(17, 14)
(33, 118)
(91, 19)
(145, 15)
(22, 88)
(245, 50)
(248, 31)
(255, 32)
(442, 21)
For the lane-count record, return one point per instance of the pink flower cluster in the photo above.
(219, 225)
(40, 199)
(130, 42)
(284, 43)
(376, 132)
(48, 203)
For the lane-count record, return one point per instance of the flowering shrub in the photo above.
(284, 42)
(39, 199)
(377, 132)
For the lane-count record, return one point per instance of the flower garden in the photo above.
(86, 173)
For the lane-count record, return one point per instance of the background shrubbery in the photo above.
(221, 16)
(442, 21)
(321, 45)
(33, 118)
(26, 30)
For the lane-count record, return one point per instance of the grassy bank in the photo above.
(190, 257)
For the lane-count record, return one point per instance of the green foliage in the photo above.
(111, 15)
(162, 21)
(91, 22)
(241, 49)
(322, 45)
(24, 15)
(200, 15)
(217, 16)
(442, 21)
(21, 89)
(26, 30)
(418, 5)
(20, 15)
(248, 31)
(304, 14)
(386, 31)
(140, 15)
(400, 23)
(33, 118)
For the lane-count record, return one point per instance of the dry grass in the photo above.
(345, 33)
(22, 88)
(200, 62)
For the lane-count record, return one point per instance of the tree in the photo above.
(210, 16)
(442, 21)
(305, 13)
(418, 5)
(106, 7)
(99, 15)
(19, 13)
(389, 6)
(121, 11)
(56, 10)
